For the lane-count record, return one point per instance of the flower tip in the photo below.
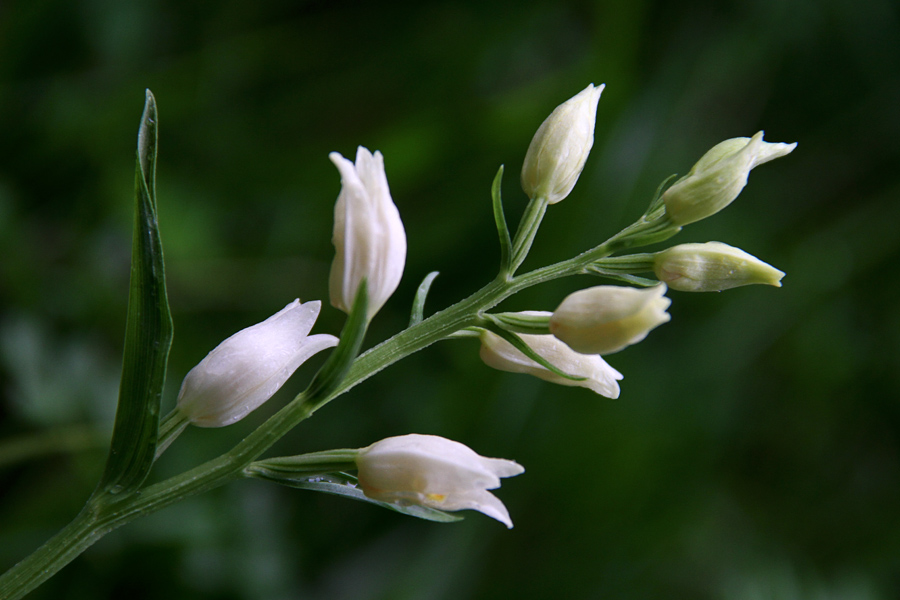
(363, 153)
(592, 93)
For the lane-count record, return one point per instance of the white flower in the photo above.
(606, 318)
(369, 239)
(711, 267)
(560, 147)
(718, 177)
(599, 376)
(249, 367)
(435, 472)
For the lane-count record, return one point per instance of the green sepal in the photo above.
(649, 229)
(520, 323)
(341, 358)
(623, 268)
(148, 331)
(623, 277)
(340, 483)
(418, 308)
(520, 345)
(659, 230)
(306, 465)
(500, 221)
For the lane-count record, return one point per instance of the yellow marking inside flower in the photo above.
(436, 497)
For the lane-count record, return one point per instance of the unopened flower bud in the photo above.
(434, 472)
(606, 318)
(369, 239)
(599, 377)
(560, 147)
(718, 177)
(711, 267)
(249, 367)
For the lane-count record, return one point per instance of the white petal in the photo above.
(480, 500)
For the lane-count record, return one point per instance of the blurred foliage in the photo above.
(755, 451)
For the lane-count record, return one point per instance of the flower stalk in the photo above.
(370, 255)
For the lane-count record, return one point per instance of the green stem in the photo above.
(60, 550)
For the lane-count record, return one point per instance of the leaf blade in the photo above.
(148, 330)
(500, 221)
(346, 485)
(418, 308)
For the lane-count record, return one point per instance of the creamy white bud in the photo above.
(600, 378)
(711, 267)
(561, 146)
(245, 370)
(607, 318)
(432, 471)
(718, 177)
(369, 239)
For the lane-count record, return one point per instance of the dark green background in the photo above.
(754, 452)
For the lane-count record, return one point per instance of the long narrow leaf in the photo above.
(520, 345)
(500, 220)
(341, 358)
(148, 331)
(418, 308)
(346, 485)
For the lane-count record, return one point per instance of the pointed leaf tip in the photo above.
(147, 139)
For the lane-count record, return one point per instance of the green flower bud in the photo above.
(711, 267)
(718, 177)
(607, 318)
(560, 147)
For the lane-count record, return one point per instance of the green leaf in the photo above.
(346, 485)
(148, 331)
(341, 358)
(418, 309)
(520, 345)
(500, 220)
